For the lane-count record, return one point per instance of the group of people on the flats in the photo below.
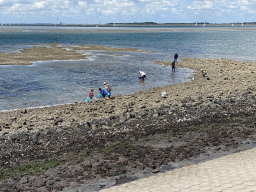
(103, 93)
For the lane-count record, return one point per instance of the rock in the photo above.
(132, 115)
(16, 125)
(34, 137)
(133, 177)
(57, 121)
(5, 126)
(184, 101)
(23, 180)
(163, 166)
(200, 98)
(13, 118)
(14, 138)
(96, 164)
(156, 170)
(155, 115)
(183, 105)
(23, 111)
(144, 113)
(49, 182)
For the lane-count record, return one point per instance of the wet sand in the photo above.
(48, 52)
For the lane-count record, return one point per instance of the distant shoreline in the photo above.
(145, 24)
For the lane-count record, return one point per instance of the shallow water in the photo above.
(59, 82)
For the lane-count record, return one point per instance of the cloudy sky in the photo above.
(107, 11)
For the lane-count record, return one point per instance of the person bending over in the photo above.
(143, 75)
(103, 92)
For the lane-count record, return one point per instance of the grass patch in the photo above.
(31, 169)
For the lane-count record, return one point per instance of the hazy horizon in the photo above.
(125, 11)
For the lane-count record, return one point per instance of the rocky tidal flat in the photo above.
(91, 146)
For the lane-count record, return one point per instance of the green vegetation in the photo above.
(31, 169)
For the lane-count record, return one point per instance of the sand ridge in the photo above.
(48, 52)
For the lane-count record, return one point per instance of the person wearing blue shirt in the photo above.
(103, 92)
(176, 56)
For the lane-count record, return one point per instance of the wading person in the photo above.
(173, 66)
(142, 75)
(176, 56)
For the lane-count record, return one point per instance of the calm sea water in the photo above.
(58, 82)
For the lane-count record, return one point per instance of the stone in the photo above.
(16, 125)
(23, 111)
(23, 180)
(156, 170)
(57, 121)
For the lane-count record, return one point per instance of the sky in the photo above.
(127, 11)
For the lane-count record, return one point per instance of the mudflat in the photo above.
(48, 52)
(107, 142)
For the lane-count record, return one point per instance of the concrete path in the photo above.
(231, 173)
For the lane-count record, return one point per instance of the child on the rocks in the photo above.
(91, 94)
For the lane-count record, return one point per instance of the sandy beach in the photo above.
(192, 117)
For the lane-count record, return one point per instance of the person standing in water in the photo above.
(173, 66)
(143, 75)
(176, 56)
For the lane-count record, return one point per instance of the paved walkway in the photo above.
(231, 173)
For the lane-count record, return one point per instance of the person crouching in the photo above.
(103, 92)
